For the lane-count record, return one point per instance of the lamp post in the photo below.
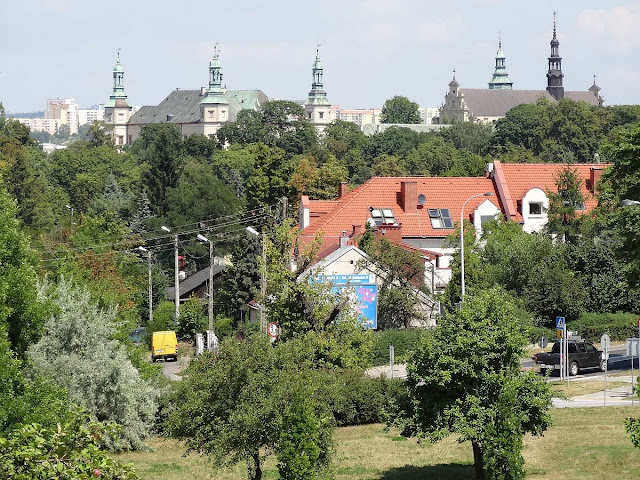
(202, 238)
(148, 252)
(176, 268)
(263, 275)
(486, 194)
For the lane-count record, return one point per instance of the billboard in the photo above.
(363, 292)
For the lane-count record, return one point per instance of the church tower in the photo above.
(555, 75)
(117, 110)
(500, 79)
(214, 107)
(595, 89)
(318, 108)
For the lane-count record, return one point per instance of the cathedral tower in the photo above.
(500, 79)
(555, 75)
(318, 108)
(117, 110)
(214, 106)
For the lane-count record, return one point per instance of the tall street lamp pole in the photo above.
(176, 268)
(202, 238)
(263, 275)
(148, 252)
(486, 194)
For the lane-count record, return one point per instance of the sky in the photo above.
(371, 50)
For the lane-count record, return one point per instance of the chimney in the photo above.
(488, 170)
(305, 212)
(594, 176)
(409, 196)
(343, 239)
(357, 230)
(342, 189)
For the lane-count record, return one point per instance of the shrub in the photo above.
(619, 326)
(163, 319)
(192, 319)
(223, 326)
(403, 341)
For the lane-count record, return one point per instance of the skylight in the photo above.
(440, 218)
(383, 216)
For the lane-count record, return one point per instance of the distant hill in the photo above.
(26, 115)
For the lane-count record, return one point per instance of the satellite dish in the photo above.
(422, 199)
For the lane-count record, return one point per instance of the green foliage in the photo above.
(163, 319)
(619, 326)
(563, 218)
(466, 379)
(230, 406)
(269, 180)
(404, 341)
(223, 326)
(192, 318)
(400, 109)
(78, 352)
(26, 398)
(68, 451)
(285, 127)
(245, 130)
(632, 427)
(344, 344)
(162, 150)
(21, 314)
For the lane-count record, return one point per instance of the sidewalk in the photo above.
(615, 397)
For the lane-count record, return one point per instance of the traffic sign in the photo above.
(559, 322)
(543, 342)
(605, 342)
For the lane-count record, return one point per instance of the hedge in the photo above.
(619, 326)
(403, 341)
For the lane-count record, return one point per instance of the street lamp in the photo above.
(263, 275)
(148, 252)
(202, 238)
(628, 203)
(486, 194)
(176, 268)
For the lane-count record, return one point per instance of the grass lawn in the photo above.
(585, 443)
(583, 387)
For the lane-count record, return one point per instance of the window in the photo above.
(440, 217)
(486, 218)
(382, 216)
(581, 348)
(321, 115)
(589, 348)
(535, 208)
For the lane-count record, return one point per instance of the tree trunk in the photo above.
(478, 460)
(255, 472)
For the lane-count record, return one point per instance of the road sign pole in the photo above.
(566, 351)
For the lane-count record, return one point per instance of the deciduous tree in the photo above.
(400, 109)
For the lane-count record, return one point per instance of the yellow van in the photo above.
(164, 345)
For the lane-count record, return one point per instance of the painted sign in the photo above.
(363, 292)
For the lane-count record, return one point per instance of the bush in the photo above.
(223, 326)
(163, 319)
(619, 326)
(356, 399)
(403, 341)
(192, 319)
(534, 333)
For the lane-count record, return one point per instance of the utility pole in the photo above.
(263, 282)
(202, 238)
(176, 267)
(285, 205)
(148, 252)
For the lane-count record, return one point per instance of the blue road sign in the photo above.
(559, 323)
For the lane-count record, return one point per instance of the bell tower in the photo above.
(117, 110)
(318, 109)
(214, 106)
(500, 79)
(555, 75)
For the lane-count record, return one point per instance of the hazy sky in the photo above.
(371, 49)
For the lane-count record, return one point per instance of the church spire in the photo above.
(500, 79)
(317, 95)
(555, 75)
(118, 86)
(215, 93)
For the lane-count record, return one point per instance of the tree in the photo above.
(466, 380)
(21, 314)
(230, 407)
(269, 180)
(432, 157)
(163, 151)
(245, 130)
(473, 137)
(79, 352)
(341, 136)
(402, 288)
(100, 133)
(400, 109)
(192, 319)
(286, 127)
(564, 204)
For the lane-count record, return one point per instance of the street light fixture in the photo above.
(202, 238)
(176, 268)
(486, 194)
(628, 203)
(148, 252)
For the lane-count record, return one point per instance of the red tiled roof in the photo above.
(522, 177)
(384, 192)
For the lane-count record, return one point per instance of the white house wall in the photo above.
(534, 222)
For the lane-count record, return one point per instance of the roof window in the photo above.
(383, 216)
(440, 218)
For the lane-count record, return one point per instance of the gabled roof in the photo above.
(496, 103)
(192, 282)
(522, 177)
(183, 106)
(384, 192)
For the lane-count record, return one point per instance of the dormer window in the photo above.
(535, 209)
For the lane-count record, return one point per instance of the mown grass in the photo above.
(583, 443)
(583, 387)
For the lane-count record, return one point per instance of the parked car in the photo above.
(582, 355)
(137, 336)
(164, 345)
